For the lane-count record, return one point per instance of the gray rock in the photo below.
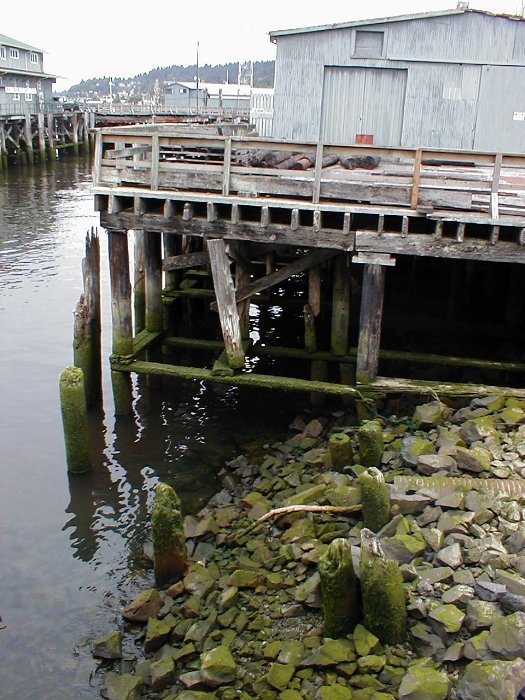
(507, 636)
(450, 556)
(436, 574)
(492, 680)
(474, 460)
(516, 542)
(459, 594)
(487, 590)
(478, 501)
(428, 415)
(514, 583)
(513, 603)
(413, 447)
(431, 464)
(409, 503)
(480, 614)
(429, 515)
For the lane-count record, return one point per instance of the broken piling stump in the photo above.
(74, 420)
(338, 589)
(169, 542)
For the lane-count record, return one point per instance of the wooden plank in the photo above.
(226, 302)
(300, 265)
(370, 323)
(420, 244)
(181, 262)
(414, 197)
(129, 151)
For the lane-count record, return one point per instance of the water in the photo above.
(71, 547)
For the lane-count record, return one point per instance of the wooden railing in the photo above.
(159, 159)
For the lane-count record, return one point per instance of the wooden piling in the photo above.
(171, 248)
(74, 420)
(51, 146)
(139, 282)
(41, 136)
(370, 323)
(28, 138)
(154, 318)
(87, 333)
(121, 316)
(341, 314)
(227, 307)
(169, 542)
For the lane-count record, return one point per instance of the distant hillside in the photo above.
(144, 83)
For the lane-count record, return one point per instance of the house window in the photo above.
(16, 97)
(13, 53)
(33, 57)
(29, 97)
(368, 44)
(3, 53)
(182, 90)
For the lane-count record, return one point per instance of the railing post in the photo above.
(227, 166)
(417, 178)
(494, 196)
(155, 155)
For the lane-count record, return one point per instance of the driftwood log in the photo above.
(363, 162)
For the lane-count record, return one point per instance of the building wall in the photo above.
(444, 59)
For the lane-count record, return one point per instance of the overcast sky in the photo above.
(120, 39)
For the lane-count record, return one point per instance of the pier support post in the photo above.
(51, 146)
(87, 343)
(370, 323)
(153, 282)
(121, 316)
(3, 148)
(171, 248)
(169, 542)
(227, 307)
(41, 136)
(74, 131)
(74, 420)
(28, 138)
(341, 314)
(139, 283)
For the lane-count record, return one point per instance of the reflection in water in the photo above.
(71, 547)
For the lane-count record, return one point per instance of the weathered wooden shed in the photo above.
(450, 79)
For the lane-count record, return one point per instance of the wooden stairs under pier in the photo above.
(257, 213)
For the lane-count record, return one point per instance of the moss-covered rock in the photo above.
(414, 447)
(108, 646)
(145, 605)
(424, 683)
(280, 675)
(218, 667)
(428, 415)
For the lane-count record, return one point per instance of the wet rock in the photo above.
(162, 674)
(198, 580)
(121, 687)
(429, 415)
(280, 675)
(157, 633)
(507, 636)
(424, 683)
(413, 448)
(145, 605)
(108, 646)
(218, 667)
(492, 680)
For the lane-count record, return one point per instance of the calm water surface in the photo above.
(71, 547)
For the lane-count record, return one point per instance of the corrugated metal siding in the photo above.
(441, 97)
(363, 101)
(261, 112)
(502, 94)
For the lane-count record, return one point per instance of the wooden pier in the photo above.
(229, 219)
(29, 136)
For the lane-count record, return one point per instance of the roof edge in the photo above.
(386, 20)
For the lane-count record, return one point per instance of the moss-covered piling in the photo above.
(74, 419)
(338, 589)
(382, 592)
(169, 542)
(371, 445)
(375, 499)
(341, 453)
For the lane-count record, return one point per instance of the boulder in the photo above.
(108, 646)
(145, 605)
(218, 667)
(492, 680)
(507, 636)
(121, 687)
(424, 683)
(428, 415)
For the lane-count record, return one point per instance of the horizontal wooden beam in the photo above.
(180, 262)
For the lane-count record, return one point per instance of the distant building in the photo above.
(451, 79)
(185, 95)
(24, 86)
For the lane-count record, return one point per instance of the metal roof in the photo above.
(384, 20)
(228, 89)
(32, 73)
(7, 41)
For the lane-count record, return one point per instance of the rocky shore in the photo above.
(246, 619)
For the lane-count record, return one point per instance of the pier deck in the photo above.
(237, 191)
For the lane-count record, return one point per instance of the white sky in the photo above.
(121, 39)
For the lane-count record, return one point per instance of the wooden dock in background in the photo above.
(256, 212)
